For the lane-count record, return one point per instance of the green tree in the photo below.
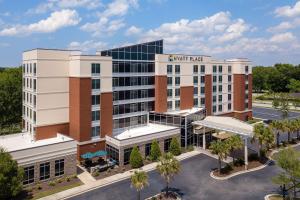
(168, 167)
(284, 106)
(10, 96)
(11, 176)
(155, 151)
(175, 147)
(139, 180)
(234, 143)
(278, 127)
(287, 127)
(288, 160)
(221, 149)
(275, 102)
(136, 159)
(294, 85)
(264, 136)
(259, 78)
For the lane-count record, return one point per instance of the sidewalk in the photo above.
(91, 185)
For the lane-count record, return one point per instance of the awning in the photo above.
(90, 155)
(228, 124)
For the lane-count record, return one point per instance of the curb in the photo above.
(85, 188)
(267, 197)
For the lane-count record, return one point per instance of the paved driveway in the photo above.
(194, 183)
(270, 113)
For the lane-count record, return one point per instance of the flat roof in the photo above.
(228, 124)
(184, 112)
(144, 130)
(22, 141)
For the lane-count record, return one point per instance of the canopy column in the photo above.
(203, 139)
(246, 153)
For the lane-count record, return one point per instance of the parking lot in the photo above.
(272, 114)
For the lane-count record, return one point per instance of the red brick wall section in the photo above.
(250, 87)
(45, 132)
(106, 114)
(80, 108)
(160, 104)
(186, 97)
(93, 147)
(239, 92)
(208, 94)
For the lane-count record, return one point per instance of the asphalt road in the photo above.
(194, 183)
(272, 114)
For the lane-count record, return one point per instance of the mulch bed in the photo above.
(226, 171)
(163, 196)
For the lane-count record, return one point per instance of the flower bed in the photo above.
(162, 196)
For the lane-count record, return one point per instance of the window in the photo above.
(202, 90)
(169, 69)
(229, 88)
(229, 106)
(95, 84)
(147, 149)
(170, 105)
(220, 88)
(96, 115)
(220, 69)
(28, 175)
(229, 78)
(202, 101)
(169, 80)
(214, 88)
(169, 92)
(202, 79)
(246, 105)
(214, 69)
(195, 102)
(177, 80)
(214, 99)
(95, 68)
(95, 131)
(177, 104)
(214, 109)
(246, 69)
(246, 87)
(34, 68)
(177, 92)
(44, 171)
(202, 68)
(34, 84)
(95, 100)
(177, 69)
(229, 97)
(167, 143)
(59, 167)
(195, 90)
(195, 68)
(220, 98)
(220, 79)
(229, 69)
(30, 68)
(220, 108)
(195, 79)
(127, 153)
(214, 79)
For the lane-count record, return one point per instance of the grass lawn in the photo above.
(56, 190)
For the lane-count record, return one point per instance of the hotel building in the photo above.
(129, 96)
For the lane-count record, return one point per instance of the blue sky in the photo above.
(264, 31)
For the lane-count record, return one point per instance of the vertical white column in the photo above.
(246, 153)
(204, 141)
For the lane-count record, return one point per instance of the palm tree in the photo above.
(287, 127)
(277, 125)
(268, 137)
(298, 128)
(139, 180)
(264, 136)
(294, 126)
(168, 166)
(219, 148)
(234, 143)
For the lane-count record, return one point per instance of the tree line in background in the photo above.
(10, 100)
(280, 78)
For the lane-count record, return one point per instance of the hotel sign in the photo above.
(175, 58)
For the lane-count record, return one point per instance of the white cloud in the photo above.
(133, 30)
(52, 5)
(283, 38)
(111, 18)
(288, 11)
(55, 21)
(87, 46)
(283, 26)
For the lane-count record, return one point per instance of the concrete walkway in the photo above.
(91, 185)
(85, 176)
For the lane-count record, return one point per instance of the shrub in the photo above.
(136, 159)
(175, 147)
(68, 179)
(239, 162)
(60, 180)
(39, 186)
(190, 148)
(51, 183)
(155, 151)
(253, 156)
(95, 174)
(74, 176)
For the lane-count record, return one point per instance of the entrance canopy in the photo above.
(228, 124)
(90, 155)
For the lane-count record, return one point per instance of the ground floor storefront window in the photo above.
(127, 153)
(112, 153)
(59, 167)
(45, 171)
(147, 149)
(28, 175)
(167, 143)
